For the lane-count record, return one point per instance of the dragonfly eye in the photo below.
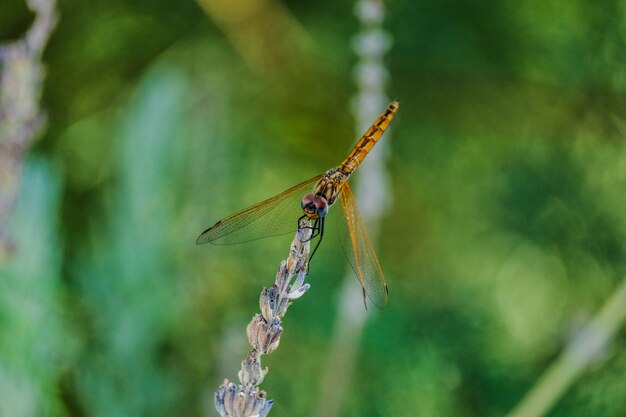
(308, 204)
(321, 205)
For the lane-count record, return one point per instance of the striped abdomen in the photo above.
(368, 140)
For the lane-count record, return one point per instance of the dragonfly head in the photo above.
(314, 206)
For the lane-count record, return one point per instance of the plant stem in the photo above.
(588, 346)
(264, 331)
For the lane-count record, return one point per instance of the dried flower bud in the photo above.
(228, 395)
(298, 259)
(245, 401)
(251, 371)
(265, 408)
(292, 261)
(219, 399)
(268, 302)
(256, 331)
(282, 307)
(298, 292)
(299, 279)
(282, 276)
(275, 330)
(263, 336)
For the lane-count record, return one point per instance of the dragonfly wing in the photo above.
(360, 252)
(272, 217)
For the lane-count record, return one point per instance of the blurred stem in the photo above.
(370, 45)
(582, 351)
(21, 120)
(265, 34)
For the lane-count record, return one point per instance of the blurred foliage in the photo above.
(506, 232)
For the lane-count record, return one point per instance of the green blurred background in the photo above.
(504, 236)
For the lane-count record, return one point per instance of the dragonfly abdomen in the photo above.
(368, 140)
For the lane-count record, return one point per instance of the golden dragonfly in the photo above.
(277, 215)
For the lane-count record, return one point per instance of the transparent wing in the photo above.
(360, 252)
(272, 217)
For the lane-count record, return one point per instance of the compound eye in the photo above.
(307, 199)
(321, 205)
(308, 203)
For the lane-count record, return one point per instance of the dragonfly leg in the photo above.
(320, 232)
(304, 216)
(305, 227)
(315, 228)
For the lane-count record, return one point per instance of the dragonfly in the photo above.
(312, 199)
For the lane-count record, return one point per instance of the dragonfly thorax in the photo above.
(330, 185)
(326, 191)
